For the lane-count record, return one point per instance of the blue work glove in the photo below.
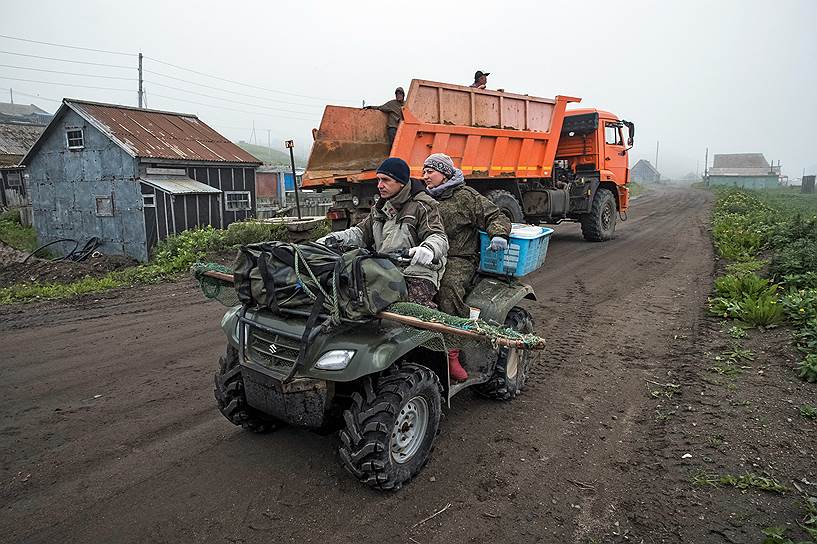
(498, 243)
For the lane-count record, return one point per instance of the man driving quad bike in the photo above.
(404, 218)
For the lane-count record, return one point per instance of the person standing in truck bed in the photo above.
(394, 109)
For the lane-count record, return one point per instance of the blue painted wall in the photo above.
(64, 184)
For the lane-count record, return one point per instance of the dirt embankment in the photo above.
(110, 432)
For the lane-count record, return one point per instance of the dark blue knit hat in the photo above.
(396, 169)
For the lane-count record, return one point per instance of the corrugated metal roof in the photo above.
(161, 134)
(740, 160)
(16, 139)
(179, 185)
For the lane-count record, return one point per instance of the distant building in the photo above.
(272, 183)
(20, 126)
(644, 172)
(747, 170)
(132, 176)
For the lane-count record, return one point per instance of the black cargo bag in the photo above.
(281, 276)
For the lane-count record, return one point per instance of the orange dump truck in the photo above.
(537, 161)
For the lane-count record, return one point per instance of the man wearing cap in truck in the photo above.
(464, 213)
(480, 79)
(405, 217)
(394, 109)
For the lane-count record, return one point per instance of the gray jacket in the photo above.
(408, 219)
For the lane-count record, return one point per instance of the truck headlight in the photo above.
(355, 201)
(337, 359)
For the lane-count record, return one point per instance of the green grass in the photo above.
(15, 234)
(743, 482)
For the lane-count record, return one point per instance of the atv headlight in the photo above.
(337, 359)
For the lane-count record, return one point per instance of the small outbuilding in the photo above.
(131, 177)
(644, 172)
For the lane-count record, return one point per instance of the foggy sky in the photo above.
(736, 76)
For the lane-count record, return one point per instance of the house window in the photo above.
(13, 179)
(74, 138)
(104, 206)
(149, 201)
(612, 135)
(237, 200)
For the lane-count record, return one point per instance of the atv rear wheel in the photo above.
(507, 204)
(229, 393)
(390, 428)
(512, 366)
(600, 224)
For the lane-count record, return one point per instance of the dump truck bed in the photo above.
(486, 133)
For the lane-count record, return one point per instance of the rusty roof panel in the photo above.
(161, 135)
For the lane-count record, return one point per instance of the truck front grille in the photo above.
(274, 351)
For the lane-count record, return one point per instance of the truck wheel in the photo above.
(229, 393)
(600, 224)
(513, 364)
(507, 203)
(388, 435)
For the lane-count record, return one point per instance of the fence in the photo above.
(312, 205)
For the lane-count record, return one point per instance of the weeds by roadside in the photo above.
(743, 482)
(13, 233)
(746, 224)
(173, 256)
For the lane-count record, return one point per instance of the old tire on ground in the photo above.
(229, 393)
(600, 224)
(507, 203)
(390, 428)
(513, 365)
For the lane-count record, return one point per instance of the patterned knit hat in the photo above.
(442, 163)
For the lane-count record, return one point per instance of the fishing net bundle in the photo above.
(223, 290)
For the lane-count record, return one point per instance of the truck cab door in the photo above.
(615, 153)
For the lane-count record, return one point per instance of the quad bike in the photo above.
(381, 382)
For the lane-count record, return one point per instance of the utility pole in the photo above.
(141, 101)
(290, 144)
(11, 93)
(706, 166)
(656, 154)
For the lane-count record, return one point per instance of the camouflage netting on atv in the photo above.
(224, 291)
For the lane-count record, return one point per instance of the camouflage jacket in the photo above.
(465, 211)
(408, 219)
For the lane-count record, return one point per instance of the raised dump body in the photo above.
(509, 147)
(487, 133)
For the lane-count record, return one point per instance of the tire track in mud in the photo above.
(554, 465)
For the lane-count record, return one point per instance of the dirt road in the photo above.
(110, 431)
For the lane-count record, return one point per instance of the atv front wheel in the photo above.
(513, 364)
(229, 393)
(389, 434)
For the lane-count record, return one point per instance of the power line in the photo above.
(66, 46)
(228, 100)
(238, 82)
(66, 73)
(220, 107)
(229, 91)
(67, 60)
(66, 84)
(35, 96)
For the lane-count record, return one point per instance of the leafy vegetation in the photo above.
(172, 256)
(13, 233)
(782, 226)
(808, 411)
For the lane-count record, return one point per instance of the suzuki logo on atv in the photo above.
(273, 349)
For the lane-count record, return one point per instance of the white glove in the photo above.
(329, 239)
(421, 255)
(498, 243)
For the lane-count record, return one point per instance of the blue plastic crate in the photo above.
(526, 251)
